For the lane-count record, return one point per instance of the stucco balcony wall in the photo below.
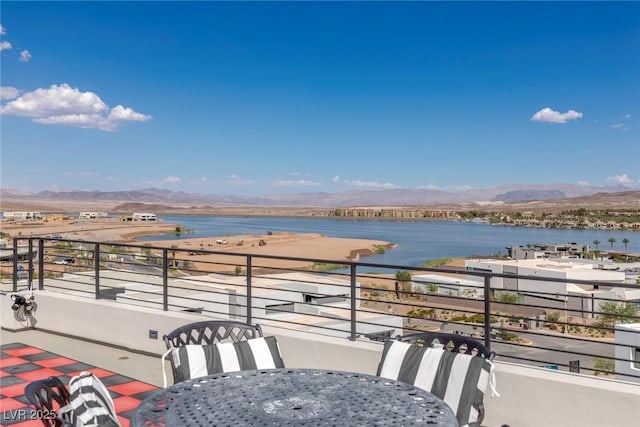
(116, 337)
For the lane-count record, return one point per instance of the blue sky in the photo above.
(276, 97)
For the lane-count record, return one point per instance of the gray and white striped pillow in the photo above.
(193, 361)
(90, 404)
(459, 379)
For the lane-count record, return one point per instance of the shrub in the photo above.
(508, 298)
(379, 249)
(323, 267)
(607, 366)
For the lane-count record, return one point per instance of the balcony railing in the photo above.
(572, 325)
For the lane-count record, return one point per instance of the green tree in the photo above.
(596, 243)
(611, 241)
(625, 242)
(612, 312)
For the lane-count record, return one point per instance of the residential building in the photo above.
(627, 351)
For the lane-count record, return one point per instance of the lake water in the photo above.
(418, 241)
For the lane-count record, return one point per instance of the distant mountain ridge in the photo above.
(529, 195)
(395, 197)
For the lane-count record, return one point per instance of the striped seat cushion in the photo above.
(90, 404)
(192, 361)
(459, 379)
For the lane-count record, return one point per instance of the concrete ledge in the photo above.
(529, 396)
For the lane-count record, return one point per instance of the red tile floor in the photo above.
(20, 364)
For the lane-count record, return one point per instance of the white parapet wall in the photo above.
(528, 396)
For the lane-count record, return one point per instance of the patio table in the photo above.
(292, 397)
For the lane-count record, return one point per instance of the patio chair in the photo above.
(452, 342)
(455, 368)
(49, 396)
(217, 346)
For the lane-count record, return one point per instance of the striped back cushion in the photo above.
(459, 379)
(90, 404)
(192, 361)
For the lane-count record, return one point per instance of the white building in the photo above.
(627, 351)
(144, 216)
(22, 215)
(447, 285)
(580, 298)
(302, 301)
(92, 215)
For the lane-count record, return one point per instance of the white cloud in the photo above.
(620, 179)
(296, 183)
(627, 116)
(25, 56)
(172, 180)
(8, 92)
(550, 116)
(429, 187)
(64, 105)
(119, 113)
(462, 187)
(5, 45)
(336, 179)
(583, 183)
(620, 126)
(237, 180)
(370, 184)
(2, 30)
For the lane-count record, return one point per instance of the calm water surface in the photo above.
(418, 241)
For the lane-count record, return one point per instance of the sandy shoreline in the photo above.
(286, 244)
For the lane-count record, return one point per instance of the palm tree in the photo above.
(596, 252)
(625, 242)
(611, 241)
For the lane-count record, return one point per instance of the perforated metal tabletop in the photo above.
(292, 397)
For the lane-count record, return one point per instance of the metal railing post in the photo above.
(41, 264)
(487, 311)
(96, 260)
(15, 264)
(30, 263)
(353, 303)
(249, 302)
(165, 279)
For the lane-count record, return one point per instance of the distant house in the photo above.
(144, 216)
(311, 302)
(542, 250)
(627, 352)
(92, 215)
(22, 215)
(578, 299)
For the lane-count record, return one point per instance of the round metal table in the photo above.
(292, 397)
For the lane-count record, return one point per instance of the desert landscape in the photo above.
(113, 230)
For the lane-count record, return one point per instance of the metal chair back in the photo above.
(452, 342)
(48, 396)
(211, 332)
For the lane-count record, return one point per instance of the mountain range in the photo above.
(508, 193)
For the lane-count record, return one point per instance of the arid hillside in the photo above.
(628, 200)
